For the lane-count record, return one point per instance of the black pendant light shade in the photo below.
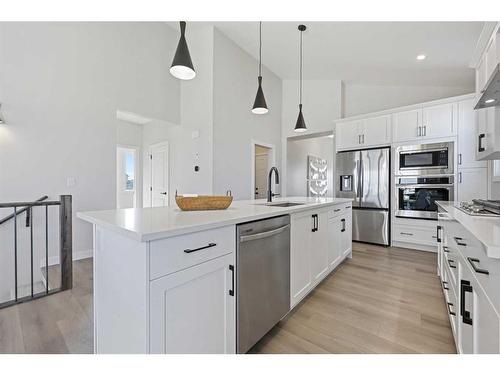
(300, 125)
(260, 105)
(182, 66)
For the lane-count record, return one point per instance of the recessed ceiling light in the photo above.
(330, 136)
(488, 101)
(421, 57)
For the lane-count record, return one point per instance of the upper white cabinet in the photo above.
(487, 136)
(488, 61)
(467, 138)
(370, 132)
(428, 122)
(472, 184)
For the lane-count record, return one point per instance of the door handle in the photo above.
(343, 225)
(465, 287)
(314, 229)
(473, 262)
(480, 142)
(231, 291)
(438, 228)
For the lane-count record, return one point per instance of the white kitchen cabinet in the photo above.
(437, 121)
(348, 135)
(467, 136)
(406, 125)
(472, 183)
(369, 132)
(427, 122)
(300, 259)
(478, 323)
(193, 311)
(346, 234)
(319, 248)
(488, 137)
(334, 241)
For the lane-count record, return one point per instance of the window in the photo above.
(129, 170)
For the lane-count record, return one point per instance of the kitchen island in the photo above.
(164, 279)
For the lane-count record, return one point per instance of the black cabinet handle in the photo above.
(336, 210)
(200, 248)
(438, 228)
(465, 287)
(458, 239)
(444, 285)
(450, 261)
(314, 228)
(343, 225)
(480, 142)
(473, 262)
(231, 291)
(445, 249)
(449, 304)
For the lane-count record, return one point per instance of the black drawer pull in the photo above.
(445, 249)
(444, 285)
(450, 261)
(406, 233)
(343, 225)
(438, 228)
(465, 287)
(473, 262)
(449, 304)
(458, 239)
(200, 248)
(231, 291)
(336, 210)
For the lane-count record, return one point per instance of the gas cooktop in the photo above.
(481, 207)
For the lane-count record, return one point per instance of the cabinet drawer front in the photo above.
(180, 252)
(341, 209)
(419, 235)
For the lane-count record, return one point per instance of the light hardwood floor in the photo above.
(383, 300)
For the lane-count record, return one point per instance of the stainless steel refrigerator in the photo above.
(363, 175)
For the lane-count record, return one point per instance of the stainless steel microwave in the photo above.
(424, 160)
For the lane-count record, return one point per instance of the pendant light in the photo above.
(300, 126)
(182, 66)
(260, 106)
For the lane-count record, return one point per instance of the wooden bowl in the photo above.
(203, 202)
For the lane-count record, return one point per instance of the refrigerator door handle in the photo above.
(360, 181)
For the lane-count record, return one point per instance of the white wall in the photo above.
(360, 99)
(235, 126)
(60, 87)
(298, 150)
(322, 105)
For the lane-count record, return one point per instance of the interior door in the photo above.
(159, 174)
(261, 166)
(347, 184)
(375, 178)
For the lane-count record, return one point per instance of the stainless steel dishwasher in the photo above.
(262, 278)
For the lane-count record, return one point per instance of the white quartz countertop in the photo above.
(147, 224)
(485, 229)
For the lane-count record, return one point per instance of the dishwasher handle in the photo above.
(259, 236)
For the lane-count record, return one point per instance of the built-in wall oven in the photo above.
(416, 196)
(425, 159)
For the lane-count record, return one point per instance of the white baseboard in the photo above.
(77, 255)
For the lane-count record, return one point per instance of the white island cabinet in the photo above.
(164, 280)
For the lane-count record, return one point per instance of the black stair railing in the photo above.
(65, 244)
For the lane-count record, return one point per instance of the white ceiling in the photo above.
(365, 52)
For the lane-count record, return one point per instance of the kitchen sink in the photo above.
(284, 204)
